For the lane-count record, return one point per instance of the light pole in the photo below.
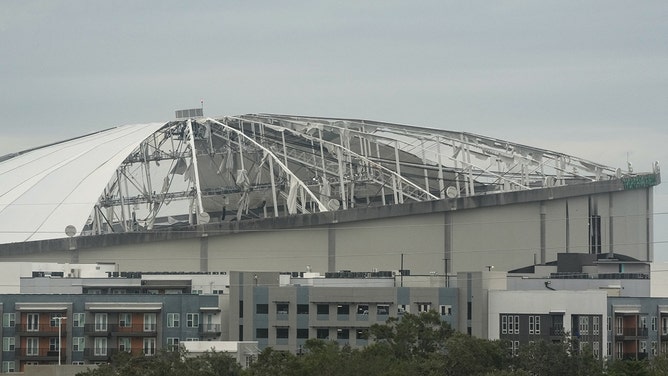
(60, 324)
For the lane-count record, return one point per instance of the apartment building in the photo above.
(284, 310)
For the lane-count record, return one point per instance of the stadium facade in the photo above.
(268, 192)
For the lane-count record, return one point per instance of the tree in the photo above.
(413, 335)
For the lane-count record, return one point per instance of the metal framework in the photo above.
(200, 169)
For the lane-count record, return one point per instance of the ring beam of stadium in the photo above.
(200, 170)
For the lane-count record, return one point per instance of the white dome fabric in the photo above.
(42, 191)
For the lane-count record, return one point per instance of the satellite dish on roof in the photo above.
(333, 204)
(203, 218)
(70, 230)
(452, 192)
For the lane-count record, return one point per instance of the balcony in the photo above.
(39, 330)
(39, 353)
(210, 329)
(97, 330)
(557, 332)
(631, 332)
(103, 354)
(134, 330)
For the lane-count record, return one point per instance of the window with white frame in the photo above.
(595, 325)
(445, 310)
(504, 324)
(78, 344)
(8, 343)
(33, 322)
(653, 323)
(150, 322)
(583, 325)
(423, 307)
(149, 346)
(8, 320)
(192, 320)
(173, 320)
(534, 324)
(609, 349)
(54, 344)
(619, 325)
(609, 324)
(101, 322)
(32, 346)
(8, 366)
(78, 320)
(583, 345)
(514, 347)
(664, 325)
(595, 350)
(55, 319)
(100, 346)
(125, 320)
(643, 346)
(172, 343)
(619, 350)
(653, 348)
(124, 344)
(517, 324)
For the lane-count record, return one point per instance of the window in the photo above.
(261, 333)
(322, 309)
(504, 324)
(192, 320)
(8, 320)
(262, 309)
(8, 366)
(282, 308)
(100, 346)
(125, 320)
(32, 346)
(653, 348)
(619, 325)
(609, 348)
(78, 320)
(517, 324)
(514, 347)
(619, 350)
(362, 309)
(282, 332)
(173, 320)
(643, 346)
(609, 325)
(664, 325)
(403, 308)
(302, 333)
(322, 333)
(595, 350)
(583, 345)
(643, 322)
(33, 322)
(54, 344)
(653, 323)
(172, 343)
(8, 344)
(100, 322)
(534, 324)
(583, 325)
(150, 322)
(424, 307)
(342, 333)
(54, 319)
(302, 309)
(595, 325)
(342, 309)
(362, 333)
(149, 346)
(125, 344)
(445, 310)
(383, 309)
(241, 309)
(78, 344)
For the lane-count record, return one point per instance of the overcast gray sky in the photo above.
(589, 78)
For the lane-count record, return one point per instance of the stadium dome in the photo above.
(195, 170)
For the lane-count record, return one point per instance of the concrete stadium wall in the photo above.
(506, 230)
